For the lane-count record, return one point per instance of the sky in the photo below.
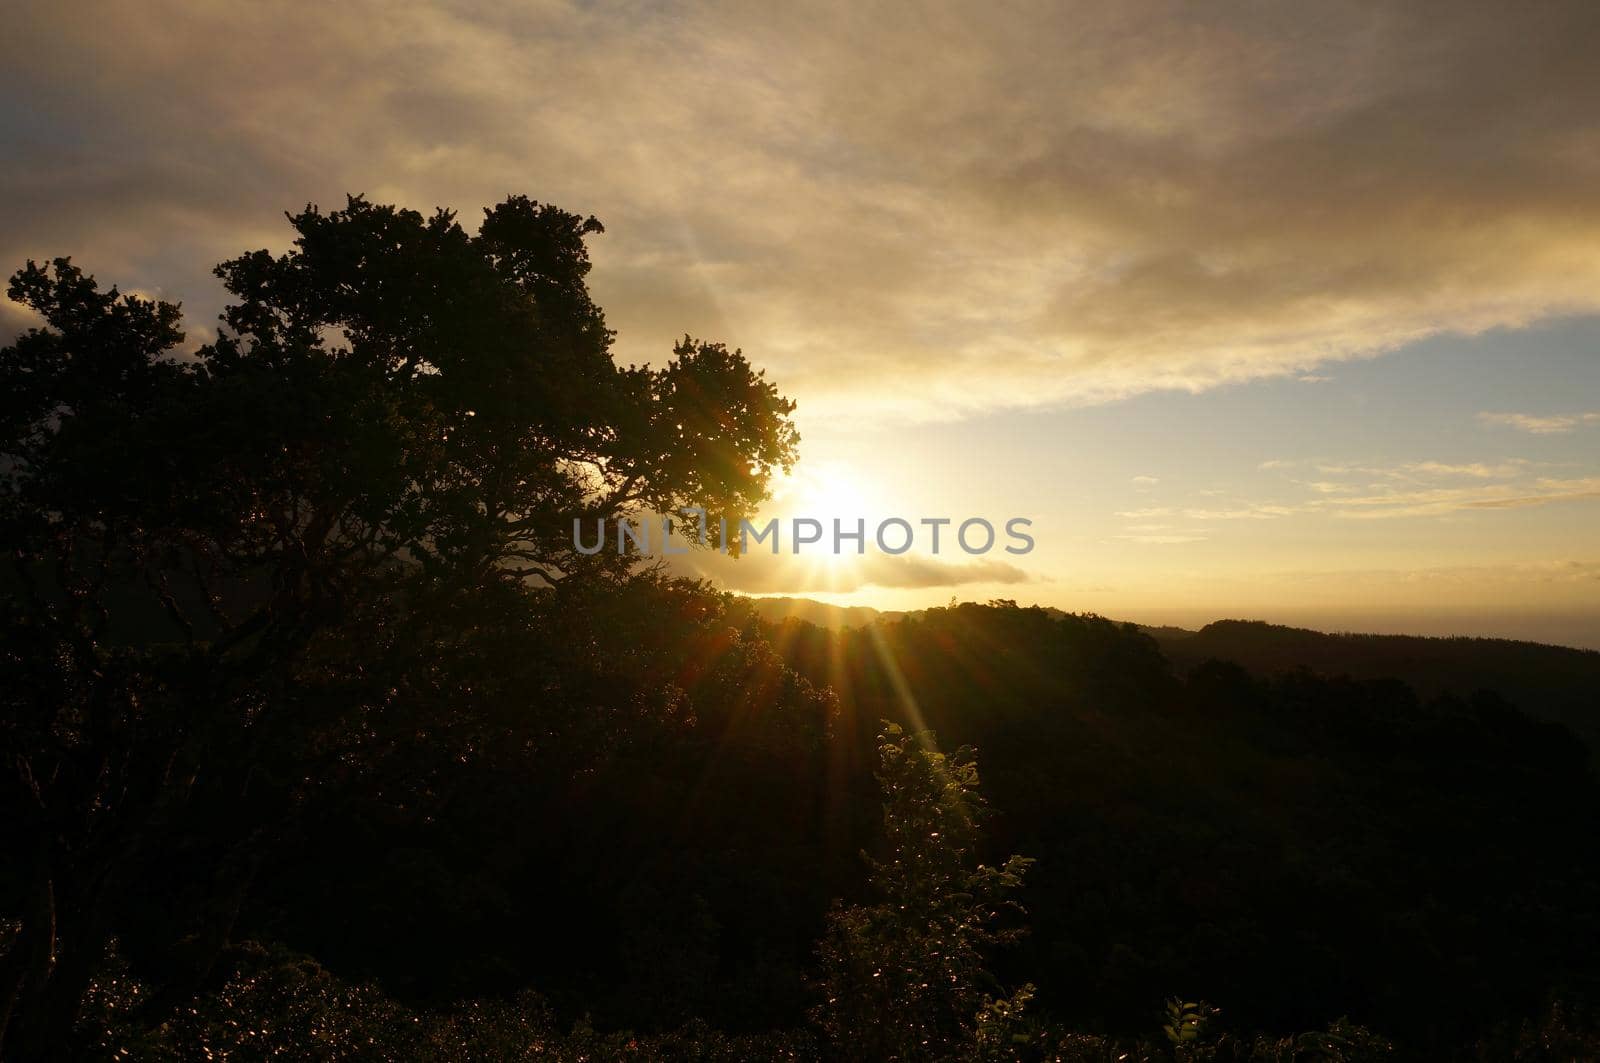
(1269, 310)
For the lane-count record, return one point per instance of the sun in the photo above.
(824, 493)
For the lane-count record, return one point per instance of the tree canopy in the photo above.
(397, 420)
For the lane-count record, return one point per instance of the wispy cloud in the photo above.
(1368, 491)
(1542, 425)
(1476, 470)
(1265, 511)
(1411, 471)
(1439, 501)
(1162, 538)
(1556, 572)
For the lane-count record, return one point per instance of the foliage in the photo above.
(1560, 1033)
(224, 565)
(1186, 1021)
(905, 976)
(279, 1005)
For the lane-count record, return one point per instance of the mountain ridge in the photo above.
(1553, 682)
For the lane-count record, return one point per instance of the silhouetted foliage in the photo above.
(226, 566)
(906, 977)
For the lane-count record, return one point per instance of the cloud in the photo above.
(1405, 489)
(1413, 472)
(1144, 481)
(762, 573)
(1063, 204)
(1476, 470)
(1439, 501)
(1496, 579)
(1265, 511)
(1554, 424)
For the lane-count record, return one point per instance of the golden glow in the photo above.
(828, 492)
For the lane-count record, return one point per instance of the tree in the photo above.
(906, 976)
(396, 418)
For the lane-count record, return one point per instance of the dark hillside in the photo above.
(1551, 682)
(1299, 846)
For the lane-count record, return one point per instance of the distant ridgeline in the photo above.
(1556, 683)
(1551, 682)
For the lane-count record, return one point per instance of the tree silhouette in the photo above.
(398, 418)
